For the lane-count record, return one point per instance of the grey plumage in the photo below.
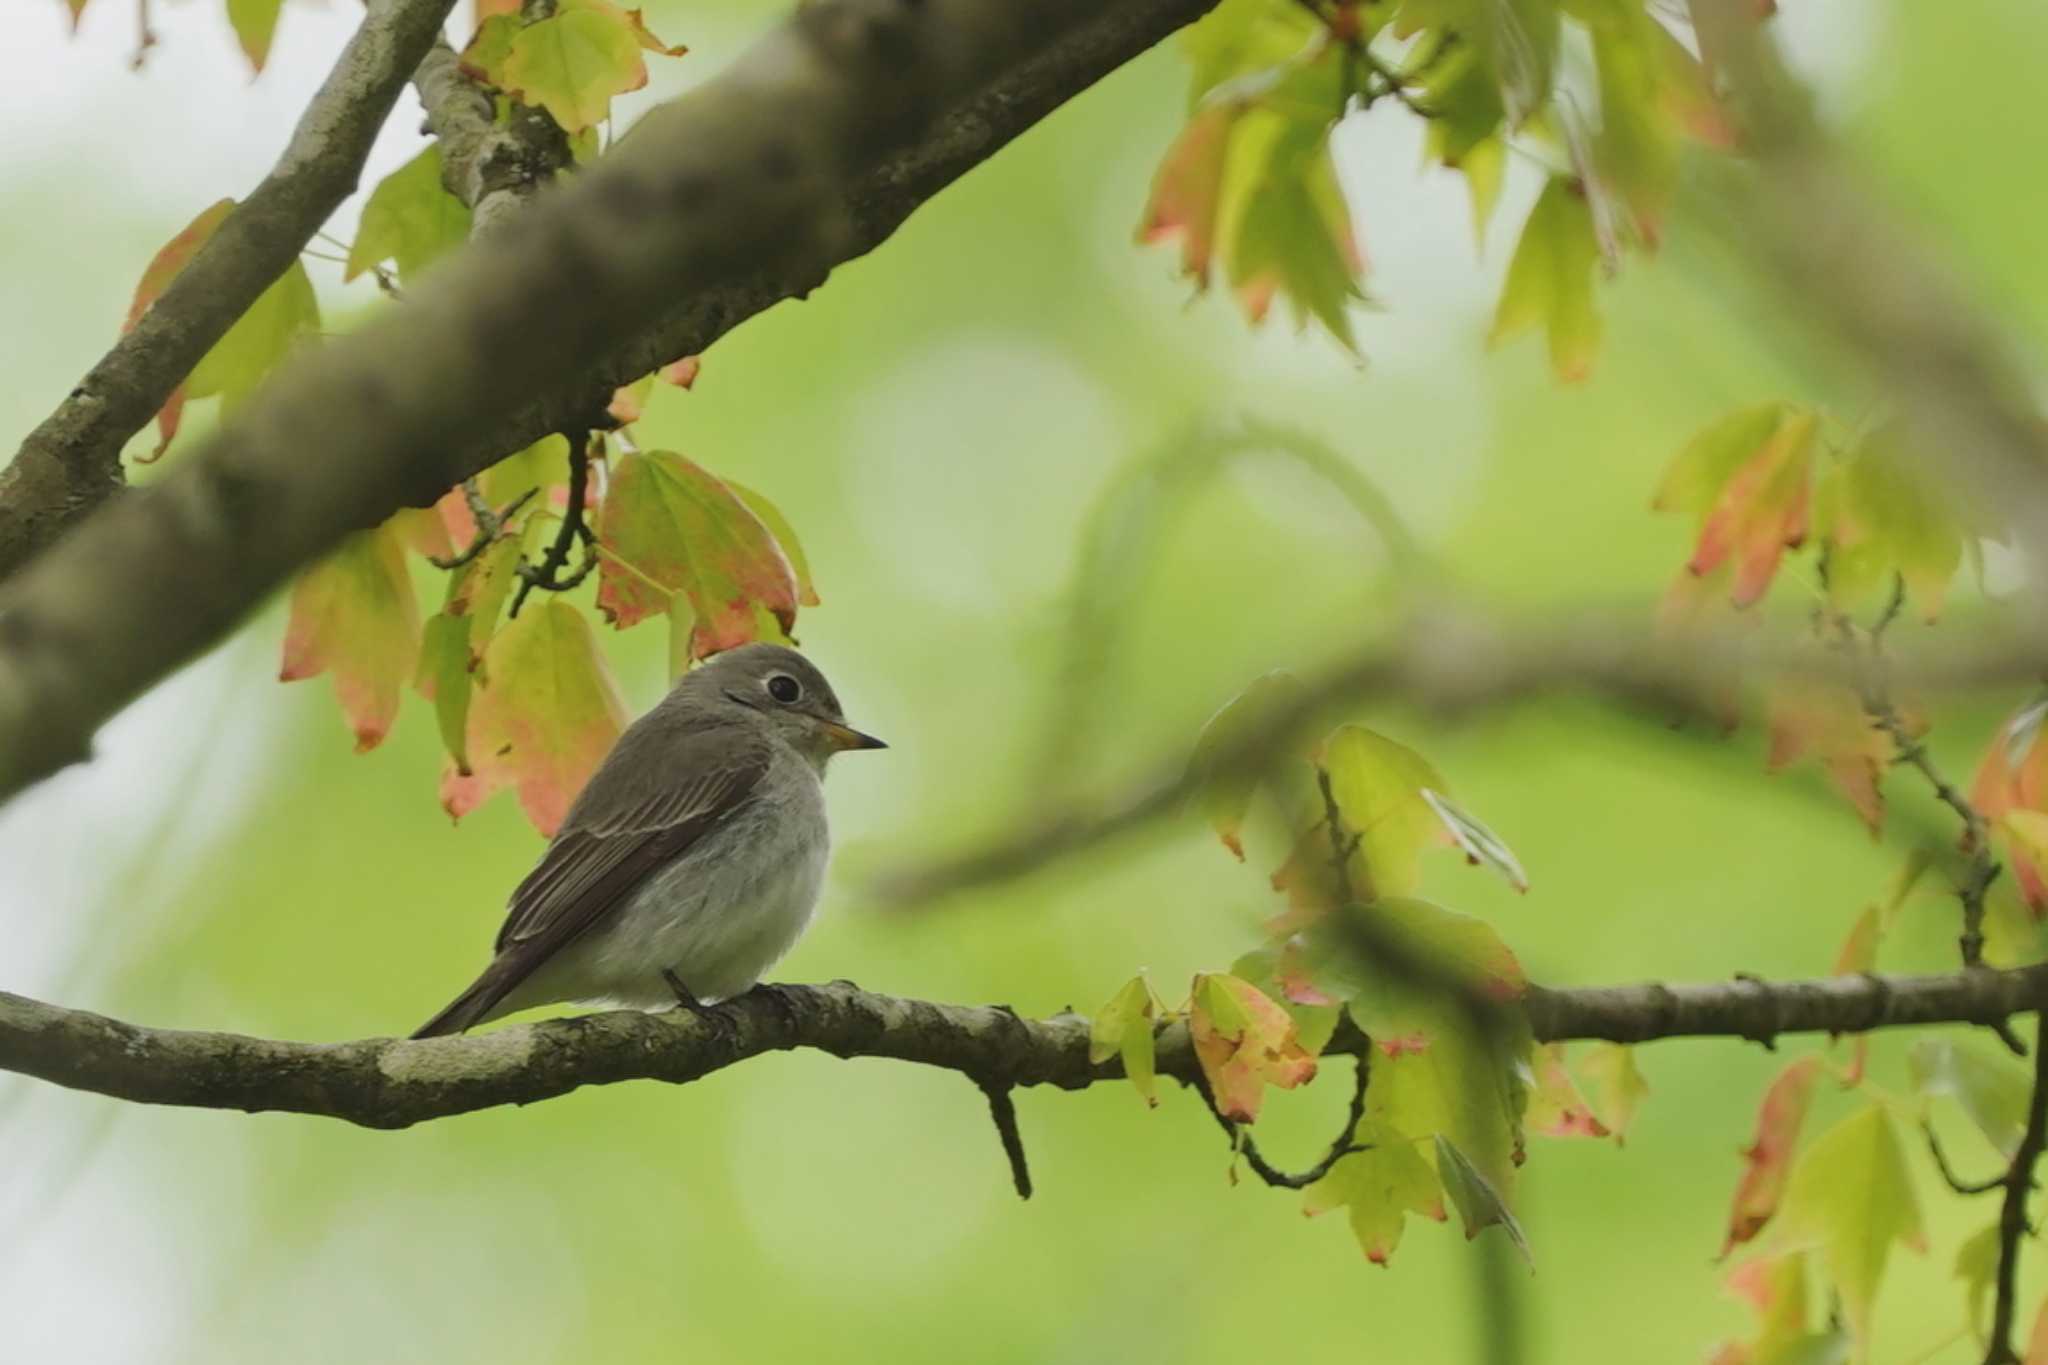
(697, 847)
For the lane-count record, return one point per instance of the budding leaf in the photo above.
(1123, 1027)
(544, 714)
(1244, 1043)
(410, 219)
(1852, 1195)
(672, 527)
(1768, 1158)
(354, 617)
(1550, 281)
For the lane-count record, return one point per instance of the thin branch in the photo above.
(553, 573)
(1341, 1146)
(2012, 1218)
(1003, 1110)
(490, 524)
(394, 1083)
(1948, 1172)
(809, 150)
(71, 463)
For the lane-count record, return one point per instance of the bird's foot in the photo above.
(717, 1016)
(684, 997)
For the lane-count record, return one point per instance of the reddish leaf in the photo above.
(2013, 777)
(629, 403)
(353, 615)
(1244, 1043)
(1748, 479)
(671, 527)
(156, 278)
(545, 713)
(1556, 1107)
(681, 373)
(2037, 1341)
(1769, 1154)
(1775, 1286)
(1188, 188)
(1618, 1087)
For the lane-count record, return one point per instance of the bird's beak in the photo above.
(846, 737)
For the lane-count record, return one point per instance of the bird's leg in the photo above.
(683, 996)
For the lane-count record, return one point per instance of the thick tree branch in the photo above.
(492, 167)
(394, 1083)
(749, 189)
(71, 463)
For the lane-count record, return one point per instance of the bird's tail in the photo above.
(468, 1009)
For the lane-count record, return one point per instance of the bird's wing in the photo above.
(592, 866)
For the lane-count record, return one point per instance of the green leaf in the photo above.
(1852, 1196)
(1977, 1268)
(1123, 1027)
(573, 64)
(484, 56)
(1242, 37)
(1775, 1287)
(1992, 1090)
(1479, 1204)
(1557, 1107)
(1377, 785)
(255, 24)
(785, 536)
(453, 645)
(1550, 281)
(1481, 845)
(353, 616)
(1285, 224)
(680, 529)
(545, 713)
(282, 317)
(541, 466)
(1879, 515)
(163, 267)
(1380, 1187)
(1244, 1043)
(1225, 795)
(409, 219)
(1636, 149)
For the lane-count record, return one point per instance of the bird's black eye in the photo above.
(784, 688)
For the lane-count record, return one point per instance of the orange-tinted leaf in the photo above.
(629, 404)
(1762, 510)
(682, 530)
(1187, 189)
(1244, 1043)
(1618, 1088)
(1775, 1287)
(353, 616)
(1768, 1157)
(545, 713)
(1556, 1107)
(2013, 777)
(156, 277)
(785, 536)
(682, 373)
(1827, 723)
(2037, 1340)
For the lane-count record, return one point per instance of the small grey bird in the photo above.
(692, 860)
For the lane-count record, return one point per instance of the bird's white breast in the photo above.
(719, 917)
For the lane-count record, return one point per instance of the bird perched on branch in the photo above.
(691, 861)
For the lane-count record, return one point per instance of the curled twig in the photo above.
(1948, 1172)
(550, 572)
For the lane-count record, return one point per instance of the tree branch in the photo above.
(807, 151)
(2012, 1218)
(71, 463)
(394, 1083)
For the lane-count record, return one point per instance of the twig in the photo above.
(1003, 1110)
(574, 528)
(145, 36)
(1341, 1146)
(2012, 1218)
(1948, 1172)
(490, 523)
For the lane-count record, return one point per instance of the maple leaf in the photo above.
(1859, 955)
(682, 373)
(483, 56)
(785, 538)
(2010, 787)
(1852, 1196)
(670, 527)
(1244, 1043)
(1828, 723)
(573, 64)
(1977, 1267)
(1992, 1090)
(1123, 1027)
(1557, 1108)
(255, 24)
(1187, 190)
(1775, 1287)
(1379, 1187)
(410, 219)
(1289, 230)
(1880, 516)
(545, 713)
(1550, 280)
(1225, 796)
(1747, 478)
(1768, 1158)
(353, 616)
(453, 643)
(1394, 804)
(283, 317)
(163, 267)
(1618, 1087)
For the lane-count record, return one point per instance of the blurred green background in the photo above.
(937, 422)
